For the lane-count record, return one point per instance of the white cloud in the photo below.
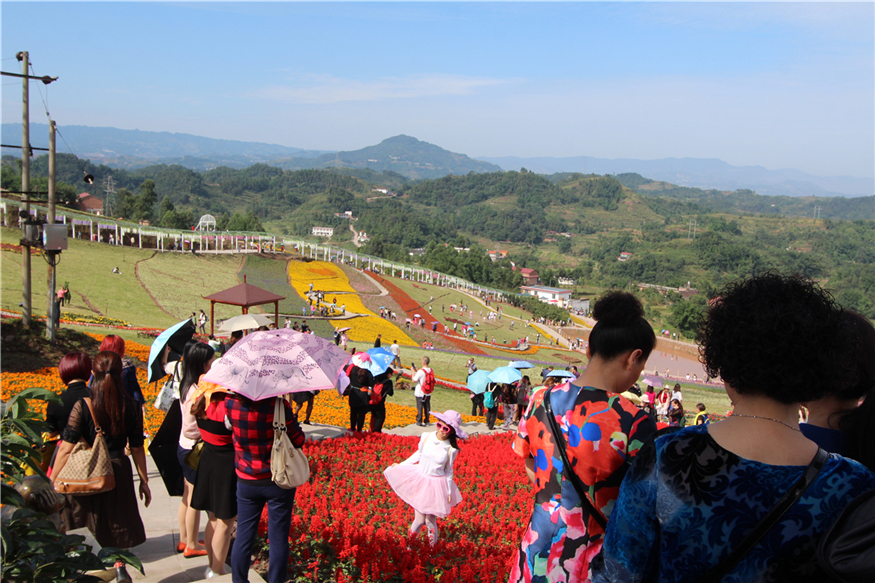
(326, 89)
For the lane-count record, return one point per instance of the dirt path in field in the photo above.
(143, 285)
(91, 306)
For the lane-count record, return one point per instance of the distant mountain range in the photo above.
(416, 159)
(705, 173)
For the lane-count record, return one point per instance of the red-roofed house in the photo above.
(89, 203)
(530, 276)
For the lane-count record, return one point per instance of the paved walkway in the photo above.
(160, 560)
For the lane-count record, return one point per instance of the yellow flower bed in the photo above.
(329, 278)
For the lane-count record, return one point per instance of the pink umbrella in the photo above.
(361, 359)
(276, 362)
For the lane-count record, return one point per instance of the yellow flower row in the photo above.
(329, 278)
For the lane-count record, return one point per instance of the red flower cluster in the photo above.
(349, 525)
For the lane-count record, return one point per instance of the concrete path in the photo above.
(160, 560)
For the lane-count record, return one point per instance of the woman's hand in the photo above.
(145, 493)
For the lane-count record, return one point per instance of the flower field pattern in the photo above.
(348, 525)
(327, 277)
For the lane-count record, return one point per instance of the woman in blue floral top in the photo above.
(694, 494)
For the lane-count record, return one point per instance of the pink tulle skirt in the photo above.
(427, 494)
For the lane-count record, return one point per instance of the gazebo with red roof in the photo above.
(244, 295)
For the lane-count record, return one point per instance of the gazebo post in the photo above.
(212, 318)
(276, 313)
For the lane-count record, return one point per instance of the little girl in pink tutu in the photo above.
(425, 479)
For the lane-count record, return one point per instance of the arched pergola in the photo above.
(206, 223)
(244, 295)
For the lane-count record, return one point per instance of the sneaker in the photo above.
(209, 574)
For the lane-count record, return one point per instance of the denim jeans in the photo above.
(423, 409)
(250, 502)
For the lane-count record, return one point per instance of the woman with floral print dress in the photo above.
(602, 431)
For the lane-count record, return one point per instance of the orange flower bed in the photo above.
(329, 408)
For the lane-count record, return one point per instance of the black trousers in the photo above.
(491, 416)
(423, 409)
(477, 404)
(357, 418)
(378, 417)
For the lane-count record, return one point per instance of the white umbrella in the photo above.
(245, 322)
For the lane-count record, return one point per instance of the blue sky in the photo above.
(781, 85)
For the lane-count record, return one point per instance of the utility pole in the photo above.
(52, 257)
(25, 189)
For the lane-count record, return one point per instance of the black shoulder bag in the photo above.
(568, 471)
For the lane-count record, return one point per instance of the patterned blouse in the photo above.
(687, 502)
(602, 430)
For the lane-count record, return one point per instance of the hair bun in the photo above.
(617, 309)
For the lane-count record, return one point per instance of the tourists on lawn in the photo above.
(395, 349)
(600, 430)
(425, 480)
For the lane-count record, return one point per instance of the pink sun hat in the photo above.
(454, 420)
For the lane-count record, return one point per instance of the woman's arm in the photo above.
(139, 455)
(530, 470)
(448, 469)
(65, 448)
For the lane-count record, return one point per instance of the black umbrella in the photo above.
(163, 450)
(175, 337)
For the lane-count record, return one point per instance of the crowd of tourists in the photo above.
(756, 497)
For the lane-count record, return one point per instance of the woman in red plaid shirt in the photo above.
(252, 427)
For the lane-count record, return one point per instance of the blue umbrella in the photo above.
(562, 374)
(381, 360)
(477, 382)
(521, 364)
(175, 337)
(505, 375)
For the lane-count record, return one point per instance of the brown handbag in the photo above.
(88, 469)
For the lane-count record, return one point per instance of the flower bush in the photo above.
(348, 525)
(329, 278)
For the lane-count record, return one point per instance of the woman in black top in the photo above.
(361, 382)
(378, 409)
(113, 517)
(74, 370)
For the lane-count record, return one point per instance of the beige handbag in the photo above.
(88, 469)
(288, 467)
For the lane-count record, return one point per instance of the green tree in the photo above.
(686, 314)
(146, 200)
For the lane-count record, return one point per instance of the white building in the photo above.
(565, 281)
(550, 295)
(323, 231)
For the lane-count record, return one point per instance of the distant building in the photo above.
(323, 231)
(364, 237)
(624, 256)
(345, 215)
(383, 190)
(88, 203)
(530, 276)
(550, 295)
(497, 254)
(565, 281)
(686, 291)
(581, 304)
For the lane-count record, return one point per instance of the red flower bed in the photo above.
(348, 525)
(412, 308)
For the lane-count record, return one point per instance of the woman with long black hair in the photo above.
(196, 361)
(113, 517)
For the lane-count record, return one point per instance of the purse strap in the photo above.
(279, 415)
(97, 428)
(770, 519)
(567, 470)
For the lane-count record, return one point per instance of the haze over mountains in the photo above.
(418, 160)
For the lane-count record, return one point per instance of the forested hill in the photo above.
(570, 225)
(748, 201)
(401, 154)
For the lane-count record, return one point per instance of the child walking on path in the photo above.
(425, 479)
